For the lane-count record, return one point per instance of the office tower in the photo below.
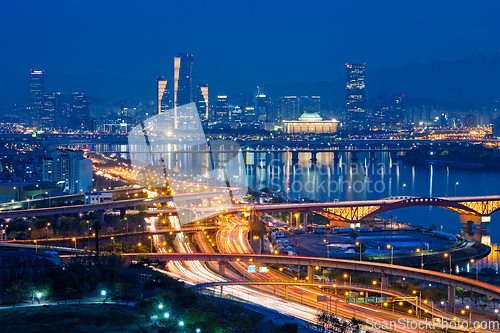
(355, 95)
(183, 87)
(262, 107)
(37, 90)
(202, 101)
(380, 109)
(60, 107)
(309, 104)
(48, 111)
(163, 101)
(80, 106)
(250, 115)
(288, 108)
(237, 114)
(222, 109)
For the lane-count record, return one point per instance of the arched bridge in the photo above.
(354, 211)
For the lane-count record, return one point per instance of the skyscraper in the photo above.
(202, 101)
(355, 95)
(80, 106)
(288, 108)
(183, 85)
(399, 110)
(37, 90)
(48, 111)
(262, 107)
(222, 109)
(162, 95)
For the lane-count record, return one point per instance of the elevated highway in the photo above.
(385, 270)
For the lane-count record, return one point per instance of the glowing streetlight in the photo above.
(447, 255)
(392, 252)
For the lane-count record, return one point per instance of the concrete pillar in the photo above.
(354, 157)
(297, 220)
(295, 157)
(451, 298)
(372, 156)
(222, 268)
(305, 220)
(473, 219)
(310, 273)
(385, 281)
(122, 213)
(290, 219)
(314, 158)
(58, 222)
(221, 290)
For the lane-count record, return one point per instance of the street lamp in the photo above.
(47, 231)
(103, 293)
(36, 246)
(358, 244)
(404, 185)
(477, 272)
(181, 323)
(345, 277)
(389, 246)
(421, 258)
(38, 296)
(456, 184)
(151, 238)
(113, 239)
(419, 301)
(74, 240)
(447, 255)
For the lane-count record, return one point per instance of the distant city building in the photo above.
(48, 111)
(202, 103)
(250, 115)
(470, 120)
(70, 168)
(288, 108)
(237, 114)
(262, 107)
(496, 128)
(183, 87)
(355, 95)
(309, 104)
(399, 116)
(80, 106)
(163, 101)
(310, 123)
(97, 197)
(222, 109)
(37, 90)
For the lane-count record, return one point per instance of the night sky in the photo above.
(236, 44)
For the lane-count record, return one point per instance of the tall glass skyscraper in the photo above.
(222, 109)
(162, 95)
(183, 86)
(355, 99)
(202, 101)
(37, 90)
(48, 111)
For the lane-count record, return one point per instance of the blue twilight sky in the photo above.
(236, 44)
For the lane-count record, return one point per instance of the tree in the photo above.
(353, 235)
(289, 328)
(363, 248)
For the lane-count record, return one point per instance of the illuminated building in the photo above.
(163, 102)
(399, 110)
(310, 123)
(261, 107)
(48, 111)
(250, 114)
(237, 114)
(202, 101)
(183, 87)
(37, 90)
(80, 113)
(355, 95)
(222, 109)
(288, 108)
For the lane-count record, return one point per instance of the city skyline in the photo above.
(450, 33)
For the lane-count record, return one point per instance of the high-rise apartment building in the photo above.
(37, 89)
(399, 116)
(70, 167)
(222, 109)
(355, 95)
(202, 101)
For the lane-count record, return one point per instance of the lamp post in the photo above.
(127, 223)
(151, 238)
(447, 255)
(47, 231)
(477, 272)
(74, 240)
(404, 185)
(36, 246)
(389, 246)
(419, 302)
(113, 239)
(456, 184)
(421, 258)
(345, 277)
(358, 244)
